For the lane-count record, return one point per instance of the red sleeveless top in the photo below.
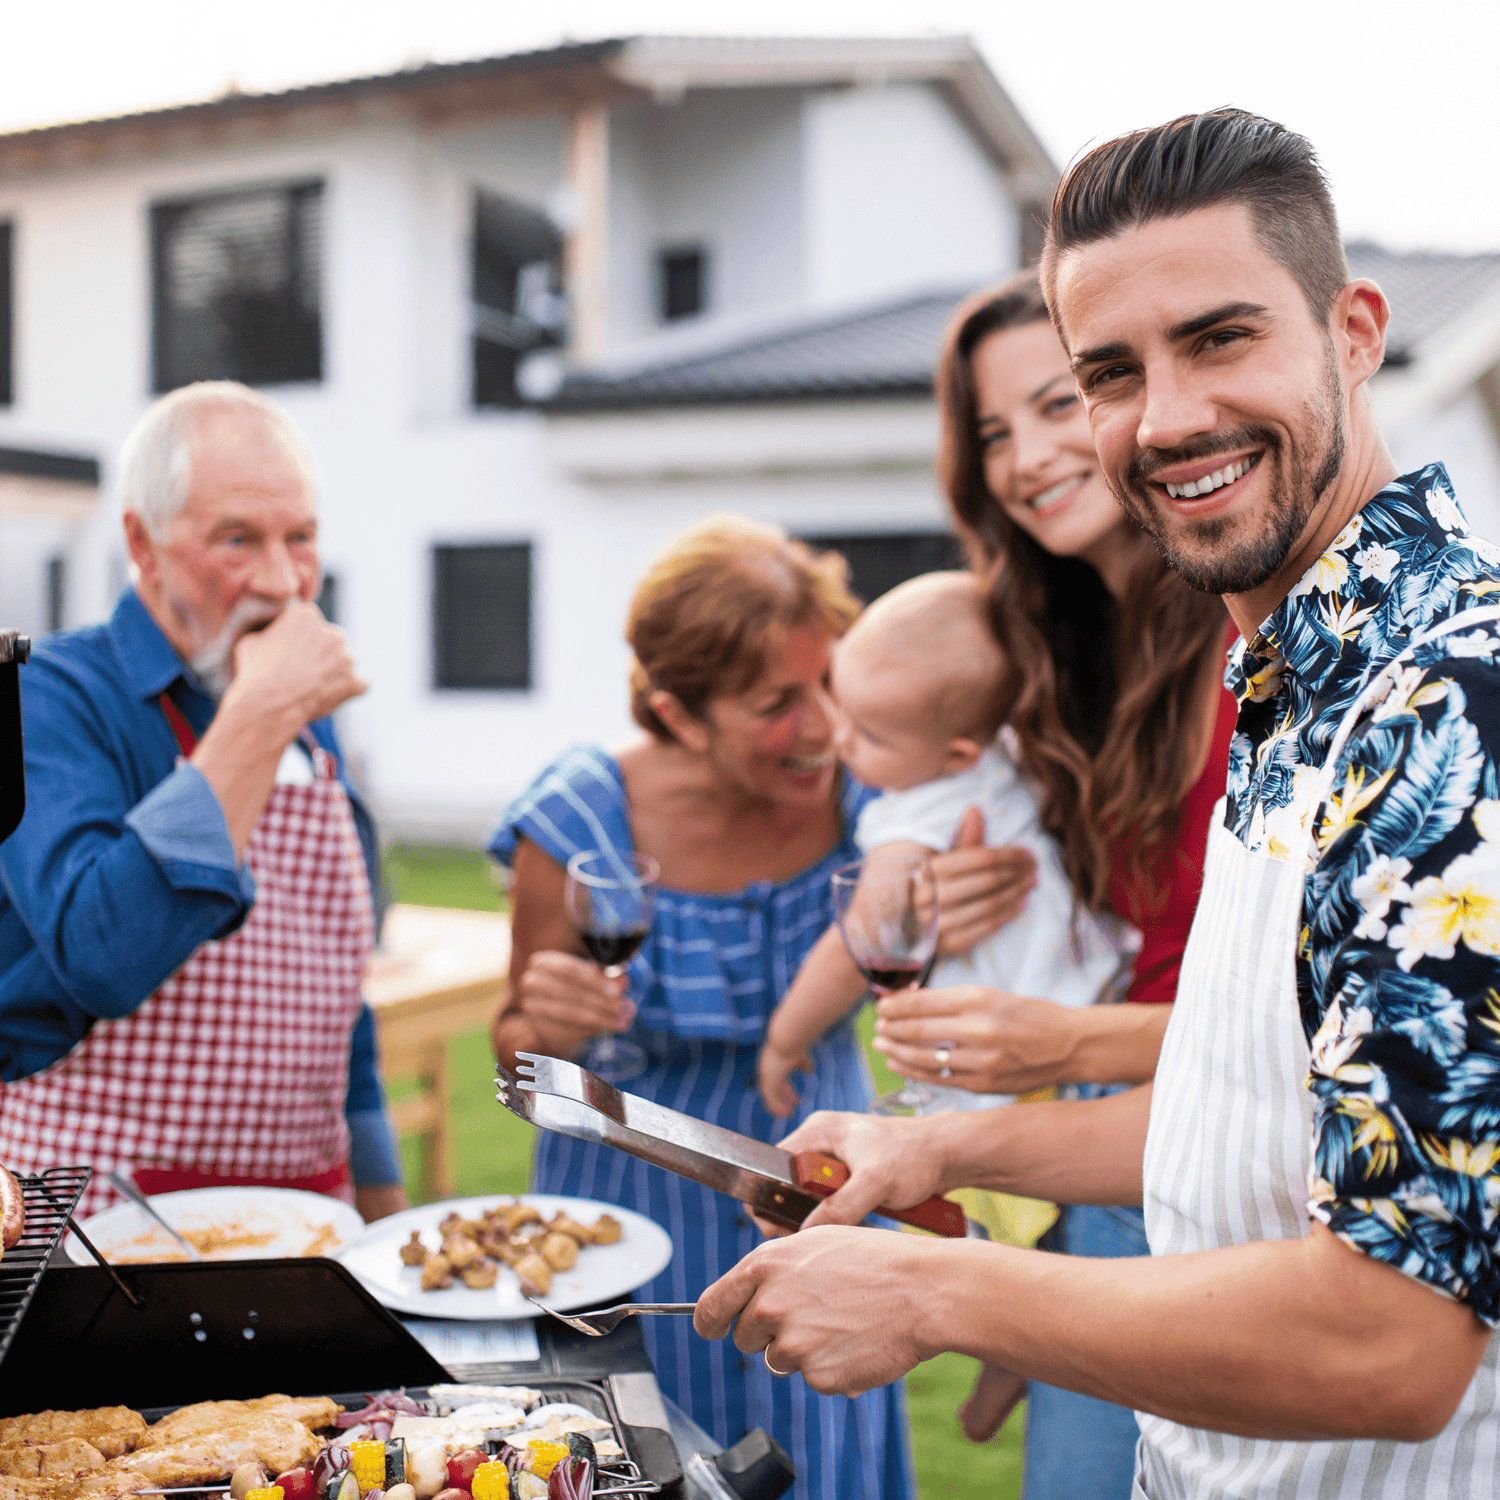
(1164, 928)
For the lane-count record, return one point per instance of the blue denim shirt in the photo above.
(123, 865)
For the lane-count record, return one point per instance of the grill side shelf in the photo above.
(50, 1199)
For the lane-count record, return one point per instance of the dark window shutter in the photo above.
(879, 561)
(682, 278)
(237, 287)
(481, 616)
(7, 315)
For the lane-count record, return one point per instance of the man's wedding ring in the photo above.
(941, 1056)
(765, 1354)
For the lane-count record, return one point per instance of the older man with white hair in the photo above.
(186, 908)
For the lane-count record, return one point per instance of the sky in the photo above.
(1399, 98)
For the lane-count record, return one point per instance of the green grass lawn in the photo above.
(494, 1156)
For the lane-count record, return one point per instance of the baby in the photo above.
(920, 685)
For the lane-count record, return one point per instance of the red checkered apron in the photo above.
(237, 1068)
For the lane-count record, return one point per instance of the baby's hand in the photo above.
(772, 1070)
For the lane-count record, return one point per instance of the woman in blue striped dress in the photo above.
(734, 790)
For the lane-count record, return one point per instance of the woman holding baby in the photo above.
(1122, 726)
(733, 788)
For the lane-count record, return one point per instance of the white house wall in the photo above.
(721, 169)
(405, 463)
(1464, 438)
(898, 195)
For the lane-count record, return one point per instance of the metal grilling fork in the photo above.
(597, 1324)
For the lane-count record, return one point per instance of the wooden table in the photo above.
(438, 971)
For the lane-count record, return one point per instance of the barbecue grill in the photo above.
(50, 1200)
(157, 1337)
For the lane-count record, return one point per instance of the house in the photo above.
(536, 314)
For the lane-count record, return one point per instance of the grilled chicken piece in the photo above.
(229, 1416)
(276, 1443)
(311, 1411)
(111, 1429)
(14, 1488)
(59, 1460)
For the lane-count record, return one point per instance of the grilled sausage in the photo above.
(12, 1210)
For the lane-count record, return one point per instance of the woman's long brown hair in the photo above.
(1104, 694)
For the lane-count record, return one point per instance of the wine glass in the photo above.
(611, 898)
(887, 910)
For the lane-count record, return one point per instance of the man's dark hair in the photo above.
(1202, 161)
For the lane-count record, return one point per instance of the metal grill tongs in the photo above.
(779, 1185)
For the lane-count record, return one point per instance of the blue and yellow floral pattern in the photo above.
(1398, 967)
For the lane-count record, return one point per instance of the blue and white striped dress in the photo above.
(705, 983)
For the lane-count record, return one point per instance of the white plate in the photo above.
(268, 1222)
(600, 1273)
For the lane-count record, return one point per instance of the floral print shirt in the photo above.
(1398, 964)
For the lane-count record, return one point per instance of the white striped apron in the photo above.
(1227, 1159)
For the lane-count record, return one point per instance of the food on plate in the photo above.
(479, 1276)
(461, 1251)
(560, 1251)
(535, 1275)
(437, 1273)
(607, 1230)
(113, 1430)
(12, 1210)
(562, 1224)
(513, 1234)
(514, 1215)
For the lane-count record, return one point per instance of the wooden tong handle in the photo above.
(825, 1175)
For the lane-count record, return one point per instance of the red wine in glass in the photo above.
(610, 896)
(887, 910)
(888, 978)
(613, 950)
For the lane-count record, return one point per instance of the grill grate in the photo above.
(50, 1199)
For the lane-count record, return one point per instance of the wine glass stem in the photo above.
(605, 1046)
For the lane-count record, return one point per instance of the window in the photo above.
(481, 616)
(237, 287)
(57, 592)
(682, 283)
(7, 315)
(880, 561)
(518, 302)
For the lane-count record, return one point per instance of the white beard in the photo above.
(213, 666)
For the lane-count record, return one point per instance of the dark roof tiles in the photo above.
(891, 350)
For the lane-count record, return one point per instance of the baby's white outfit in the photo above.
(1047, 952)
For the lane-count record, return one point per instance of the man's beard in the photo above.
(213, 666)
(1218, 562)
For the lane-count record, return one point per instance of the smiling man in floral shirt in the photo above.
(1398, 970)
(1321, 1171)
